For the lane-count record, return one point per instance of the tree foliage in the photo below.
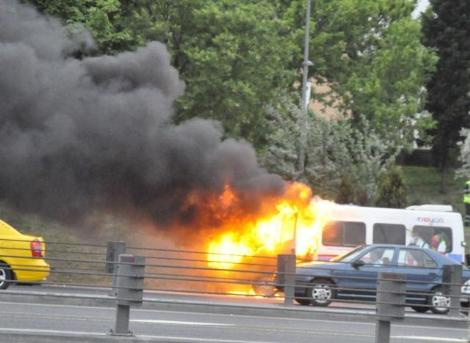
(231, 54)
(447, 30)
(464, 155)
(369, 53)
(392, 191)
(343, 160)
(237, 56)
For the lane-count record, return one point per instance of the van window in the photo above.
(438, 238)
(389, 234)
(339, 233)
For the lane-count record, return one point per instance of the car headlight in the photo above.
(466, 287)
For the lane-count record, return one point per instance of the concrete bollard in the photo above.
(286, 276)
(390, 304)
(130, 274)
(113, 250)
(452, 280)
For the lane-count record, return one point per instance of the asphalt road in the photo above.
(204, 325)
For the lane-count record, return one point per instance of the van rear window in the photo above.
(349, 234)
(389, 234)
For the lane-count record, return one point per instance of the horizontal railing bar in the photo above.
(207, 261)
(369, 265)
(181, 278)
(369, 290)
(50, 251)
(202, 293)
(254, 281)
(367, 278)
(199, 252)
(207, 268)
(56, 259)
(56, 242)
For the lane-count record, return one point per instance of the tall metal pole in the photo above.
(303, 118)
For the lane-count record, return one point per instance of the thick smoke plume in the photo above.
(80, 137)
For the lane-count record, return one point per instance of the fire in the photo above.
(291, 222)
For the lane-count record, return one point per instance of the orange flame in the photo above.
(294, 221)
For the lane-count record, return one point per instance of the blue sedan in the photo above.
(354, 276)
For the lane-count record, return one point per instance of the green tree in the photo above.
(106, 19)
(391, 190)
(343, 160)
(237, 56)
(238, 65)
(232, 54)
(370, 54)
(446, 29)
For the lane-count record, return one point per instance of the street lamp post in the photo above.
(303, 118)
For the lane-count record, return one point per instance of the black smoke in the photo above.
(96, 135)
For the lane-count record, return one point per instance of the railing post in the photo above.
(286, 276)
(130, 273)
(113, 250)
(452, 279)
(390, 304)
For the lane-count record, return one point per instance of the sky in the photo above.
(422, 4)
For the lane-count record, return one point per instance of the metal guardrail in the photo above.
(128, 271)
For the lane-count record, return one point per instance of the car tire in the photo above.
(420, 309)
(264, 287)
(303, 301)
(439, 302)
(5, 274)
(321, 292)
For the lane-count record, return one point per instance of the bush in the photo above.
(391, 191)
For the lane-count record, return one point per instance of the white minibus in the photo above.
(436, 227)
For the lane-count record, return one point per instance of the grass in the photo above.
(423, 185)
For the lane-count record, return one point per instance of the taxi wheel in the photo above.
(5, 274)
(321, 292)
(439, 302)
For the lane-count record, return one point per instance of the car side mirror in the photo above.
(358, 263)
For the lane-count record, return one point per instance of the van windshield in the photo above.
(348, 257)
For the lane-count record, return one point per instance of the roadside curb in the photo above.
(44, 336)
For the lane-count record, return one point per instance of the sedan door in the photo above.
(360, 280)
(422, 272)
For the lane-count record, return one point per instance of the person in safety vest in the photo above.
(466, 201)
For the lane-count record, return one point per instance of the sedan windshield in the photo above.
(350, 256)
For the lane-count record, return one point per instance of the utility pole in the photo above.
(303, 118)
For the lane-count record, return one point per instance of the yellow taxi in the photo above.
(21, 257)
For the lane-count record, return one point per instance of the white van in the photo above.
(436, 227)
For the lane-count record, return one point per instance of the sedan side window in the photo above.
(415, 258)
(378, 256)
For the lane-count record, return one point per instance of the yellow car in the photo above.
(21, 257)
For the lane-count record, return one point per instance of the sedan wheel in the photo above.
(420, 309)
(5, 274)
(439, 302)
(321, 292)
